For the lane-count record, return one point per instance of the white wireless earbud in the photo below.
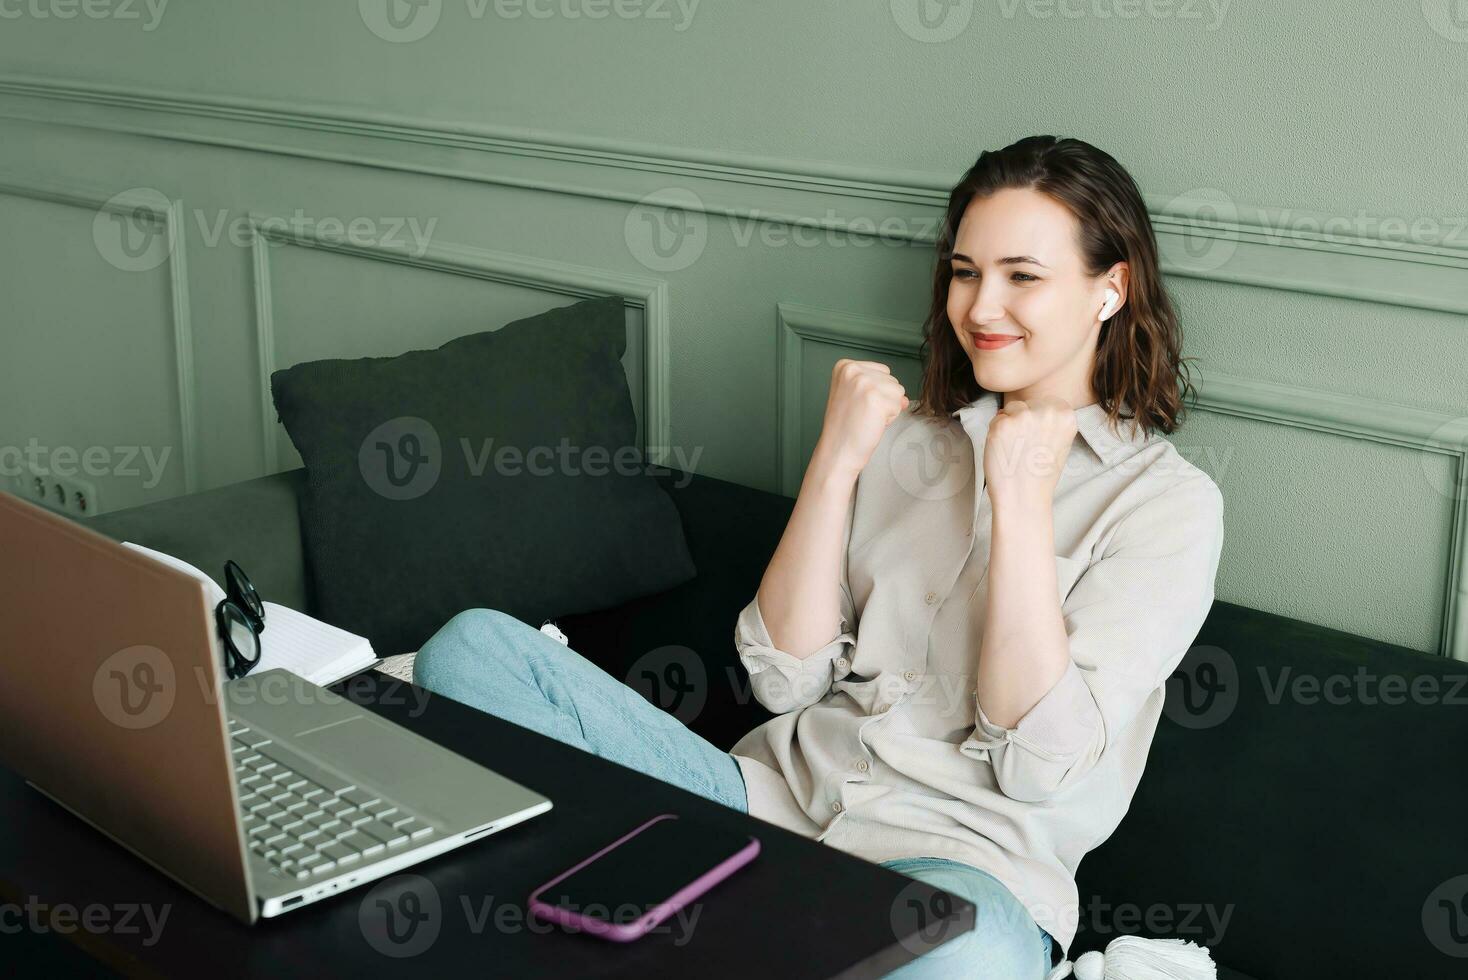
(1112, 298)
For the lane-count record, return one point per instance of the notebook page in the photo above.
(305, 646)
(321, 653)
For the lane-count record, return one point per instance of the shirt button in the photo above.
(842, 662)
(908, 675)
(836, 806)
(844, 627)
(862, 766)
(930, 598)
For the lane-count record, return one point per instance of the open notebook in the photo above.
(321, 653)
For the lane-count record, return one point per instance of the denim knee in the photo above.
(473, 623)
(464, 642)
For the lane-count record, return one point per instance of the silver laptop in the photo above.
(262, 794)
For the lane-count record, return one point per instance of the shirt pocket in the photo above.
(872, 695)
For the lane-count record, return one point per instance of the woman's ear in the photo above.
(1115, 282)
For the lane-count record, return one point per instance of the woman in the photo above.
(967, 626)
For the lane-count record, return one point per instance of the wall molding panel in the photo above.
(168, 214)
(798, 325)
(1202, 233)
(1354, 417)
(581, 282)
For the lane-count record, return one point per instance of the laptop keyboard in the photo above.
(304, 826)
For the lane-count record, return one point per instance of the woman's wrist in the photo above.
(1030, 507)
(829, 473)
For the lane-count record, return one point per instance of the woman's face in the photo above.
(1017, 273)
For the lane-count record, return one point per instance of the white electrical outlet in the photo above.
(64, 494)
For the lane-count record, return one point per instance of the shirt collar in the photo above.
(1091, 425)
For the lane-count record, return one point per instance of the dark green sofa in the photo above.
(1296, 835)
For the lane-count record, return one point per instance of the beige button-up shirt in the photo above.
(880, 748)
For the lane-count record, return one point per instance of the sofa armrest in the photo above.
(256, 523)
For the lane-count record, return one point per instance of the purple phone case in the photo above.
(626, 931)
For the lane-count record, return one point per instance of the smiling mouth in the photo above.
(993, 341)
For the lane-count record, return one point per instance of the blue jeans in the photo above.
(496, 663)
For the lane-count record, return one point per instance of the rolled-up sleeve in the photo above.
(782, 681)
(1130, 618)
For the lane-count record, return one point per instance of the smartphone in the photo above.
(625, 889)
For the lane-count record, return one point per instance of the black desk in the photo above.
(800, 910)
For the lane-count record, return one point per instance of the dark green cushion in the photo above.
(499, 470)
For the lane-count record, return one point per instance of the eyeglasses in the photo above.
(240, 617)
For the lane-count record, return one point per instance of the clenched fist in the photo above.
(1026, 449)
(864, 400)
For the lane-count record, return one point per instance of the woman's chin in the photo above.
(988, 378)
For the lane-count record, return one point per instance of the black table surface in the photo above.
(800, 909)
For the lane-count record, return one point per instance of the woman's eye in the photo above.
(972, 274)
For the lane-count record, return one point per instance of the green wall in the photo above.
(1312, 227)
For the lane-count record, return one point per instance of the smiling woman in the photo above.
(973, 705)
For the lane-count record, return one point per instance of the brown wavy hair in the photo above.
(1138, 355)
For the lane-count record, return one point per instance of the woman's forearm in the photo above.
(1025, 648)
(799, 596)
